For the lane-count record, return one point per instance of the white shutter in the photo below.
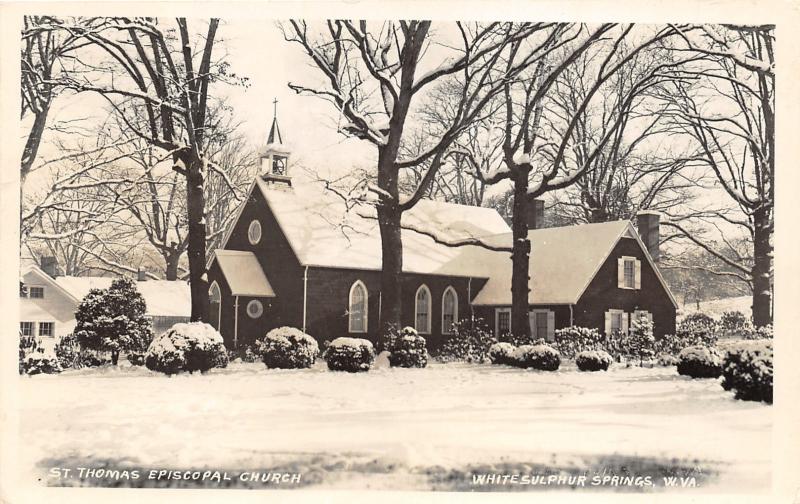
(620, 272)
(551, 325)
(637, 278)
(608, 323)
(625, 317)
(532, 323)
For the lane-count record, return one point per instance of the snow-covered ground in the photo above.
(716, 307)
(394, 427)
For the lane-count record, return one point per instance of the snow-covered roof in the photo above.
(563, 262)
(323, 232)
(165, 298)
(243, 273)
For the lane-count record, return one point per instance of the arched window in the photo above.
(422, 310)
(449, 310)
(215, 300)
(358, 308)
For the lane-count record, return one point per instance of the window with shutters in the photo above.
(449, 310)
(358, 308)
(502, 321)
(616, 321)
(422, 309)
(629, 273)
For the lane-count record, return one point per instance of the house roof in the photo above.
(243, 273)
(563, 262)
(165, 298)
(323, 231)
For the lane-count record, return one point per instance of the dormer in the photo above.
(274, 157)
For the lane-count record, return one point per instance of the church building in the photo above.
(300, 255)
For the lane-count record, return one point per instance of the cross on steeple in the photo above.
(275, 131)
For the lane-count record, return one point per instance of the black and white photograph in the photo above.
(279, 249)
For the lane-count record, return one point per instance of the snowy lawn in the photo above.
(398, 428)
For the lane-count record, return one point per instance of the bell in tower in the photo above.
(275, 156)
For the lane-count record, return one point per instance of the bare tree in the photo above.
(372, 75)
(725, 104)
(165, 73)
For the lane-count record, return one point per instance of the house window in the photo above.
(215, 301)
(629, 273)
(46, 329)
(254, 232)
(542, 323)
(357, 312)
(36, 292)
(26, 328)
(616, 321)
(449, 310)
(422, 309)
(502, 325)
(255, 309)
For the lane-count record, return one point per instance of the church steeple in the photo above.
(275, 156)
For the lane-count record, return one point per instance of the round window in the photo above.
(254, 232)
(255, 308)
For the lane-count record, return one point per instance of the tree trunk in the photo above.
(172, 261)
(33, 141)
(762, 266)
(392, 267)
(520, 257)
(195, 199)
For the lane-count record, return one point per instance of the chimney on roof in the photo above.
(535, 213)
(141, 275)
(648, 224)
(50, 265)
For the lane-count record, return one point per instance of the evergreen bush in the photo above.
(501, 353)
(572, 340)
(407, 349)
(700, 362)
(747, 370)
(288, 348)
(469, 342)
(350, 354)
(542, 357)
(194, 346)
(41, 363)
(113, 320)
(593, 360)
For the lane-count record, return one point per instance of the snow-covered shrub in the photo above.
(747, 371)
(27, 346)
(698, 329)
(38, 362)
(748, 332)
(408, 349)
(733, 322)
(700, 362)
(91, 358)
(136, 358)
(639, 342)
(666, 359)
(247, 353)
(542, 357)
(288, 348)
(68, 352)
(193, 346)
(350, 354)
(593, 360)
(572, 340)
(500, 353)
(469, 342)
(113, 319)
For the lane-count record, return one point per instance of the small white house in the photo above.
(48, 304)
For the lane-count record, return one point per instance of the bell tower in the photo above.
(275, 155)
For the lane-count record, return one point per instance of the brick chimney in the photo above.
(535, 213)
(141, 275)
(50, 265)
(647, 223)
